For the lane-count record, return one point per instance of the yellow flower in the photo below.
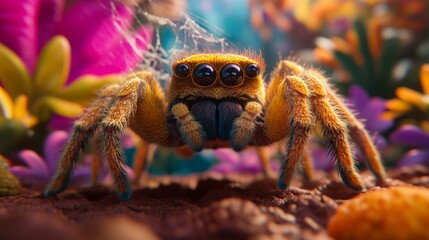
(315, 14)
(45, 91)
(411, 101)
(29, 100)
(15, 110)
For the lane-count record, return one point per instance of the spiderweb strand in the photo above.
(187, 36)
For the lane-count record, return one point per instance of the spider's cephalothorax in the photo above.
(216, 101)
(220, 100)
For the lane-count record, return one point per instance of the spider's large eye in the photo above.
(252, 70)
(204, 75)
(231, 75)
(181, 70)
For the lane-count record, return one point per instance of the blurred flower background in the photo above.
(56, 54)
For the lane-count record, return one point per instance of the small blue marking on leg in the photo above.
(124, 196)
(50, 192)
(280, 181)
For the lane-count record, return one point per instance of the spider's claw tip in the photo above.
(54, 188)
(124, 196)
(282, 185)
(238, 148)
(49, 192)
(355, 184)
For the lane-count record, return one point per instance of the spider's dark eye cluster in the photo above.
(231, 75)
(182, 70)
(252, 70)
(204, 75)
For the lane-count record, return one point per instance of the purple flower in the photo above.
(321, 158)
(98, 32)
(246, 161)
(368, 109)
(413, 137)
(37, 171)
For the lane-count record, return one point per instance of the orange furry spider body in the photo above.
(220, 100)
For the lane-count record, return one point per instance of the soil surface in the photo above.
(206, 206)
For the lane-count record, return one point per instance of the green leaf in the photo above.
(84, 89)
(349, 64)
(46, 105)
(388, 59)
(53, 65)
(13, 73)
(11, 132)
(368, 70)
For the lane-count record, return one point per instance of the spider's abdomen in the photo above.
(216, 118)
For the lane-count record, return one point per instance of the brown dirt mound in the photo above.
(204, 206)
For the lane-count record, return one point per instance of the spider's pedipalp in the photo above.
(244, 126)
(300, 124)
(83, 129)
(190, 130)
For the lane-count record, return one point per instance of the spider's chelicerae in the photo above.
(220, 100)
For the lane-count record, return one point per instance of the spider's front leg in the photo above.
(362, 138)
(300, 124)
(299, 97)
(136, 103)
(82, 131)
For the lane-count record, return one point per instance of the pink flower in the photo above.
(98, 31)
(246, 161)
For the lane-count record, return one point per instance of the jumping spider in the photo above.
(220, 100)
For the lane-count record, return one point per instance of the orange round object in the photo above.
(393, 213)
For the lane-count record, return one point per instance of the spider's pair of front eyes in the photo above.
(204, 75)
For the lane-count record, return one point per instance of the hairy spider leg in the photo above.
(95, 164)
(308, 163)
(82, 131)
(265, 161)
(361, 136)
(334, 128)
(304, 95)
(111, 112)
(141, 159)
(112, 128)
(300, 125)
